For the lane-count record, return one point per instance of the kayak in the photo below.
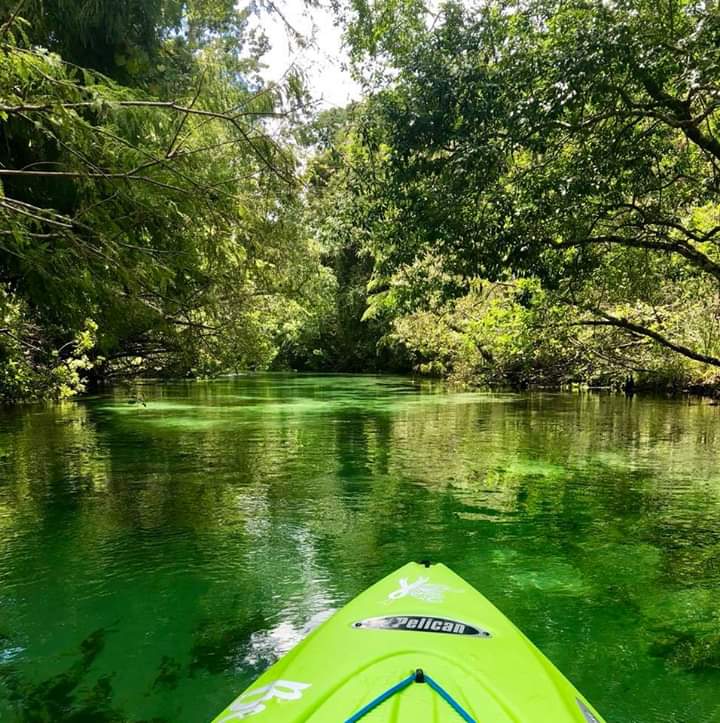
(421, 645)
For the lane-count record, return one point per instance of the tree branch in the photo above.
(8, 23)
(690, 253)
(161, 104)
(682, 117)
(171, 148)
(89, 174)
(621, 323)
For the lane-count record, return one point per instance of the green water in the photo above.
(155, 558)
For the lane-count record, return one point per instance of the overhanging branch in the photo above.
(621, 323)
(696, 257)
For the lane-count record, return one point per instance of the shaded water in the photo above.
(155, 558)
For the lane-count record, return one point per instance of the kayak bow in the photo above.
(420, 645)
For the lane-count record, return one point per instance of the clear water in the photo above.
(156, 556)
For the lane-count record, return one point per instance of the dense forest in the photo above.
(527, 193)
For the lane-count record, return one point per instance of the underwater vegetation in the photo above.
(64, 697)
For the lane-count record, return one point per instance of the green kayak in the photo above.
(421, 645)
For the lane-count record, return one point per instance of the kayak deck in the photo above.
(419, 617)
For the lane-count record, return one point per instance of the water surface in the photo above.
(160, 547)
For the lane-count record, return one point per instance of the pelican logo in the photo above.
(421, 589)
(418, 624)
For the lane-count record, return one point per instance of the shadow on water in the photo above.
(61, 697)
(221, 647)
(169, 674)
(691, 652)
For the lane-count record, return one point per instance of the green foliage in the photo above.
(136, 42)
(159, 208)
(384, 30)
(30, 370)
(570, 144)
(339, 335)
(529, 194)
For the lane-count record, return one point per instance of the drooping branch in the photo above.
(13, 16)
(18, 339)
(172, 149)
(160, 104)
(88, 174)
(42, 215)
(606, 319)
(232, 116)
(696, 257)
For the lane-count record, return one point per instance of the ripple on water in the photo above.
(153, 559)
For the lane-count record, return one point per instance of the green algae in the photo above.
(213, 520)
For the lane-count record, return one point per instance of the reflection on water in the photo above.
(155, 557)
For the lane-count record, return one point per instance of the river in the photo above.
(159, 549)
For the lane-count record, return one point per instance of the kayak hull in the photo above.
(423, 618)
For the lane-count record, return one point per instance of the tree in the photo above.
(153, 207)
(569, 142)
(339, 336)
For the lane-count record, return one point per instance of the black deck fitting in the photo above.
(419, 676)
(425, 563)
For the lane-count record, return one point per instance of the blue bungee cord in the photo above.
(417, 677)
(449, 700)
